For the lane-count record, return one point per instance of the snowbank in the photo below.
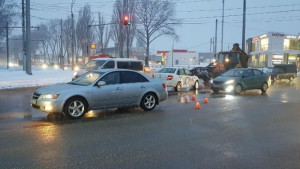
(17, 78)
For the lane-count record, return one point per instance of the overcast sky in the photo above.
(198, 18)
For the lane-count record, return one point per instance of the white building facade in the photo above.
(182, 57)
(273, 48)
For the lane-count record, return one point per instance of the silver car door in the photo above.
(110, 94)
(134, 86)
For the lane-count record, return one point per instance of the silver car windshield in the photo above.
(233, 73)
(86, 79)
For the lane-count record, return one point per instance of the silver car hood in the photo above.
(57, 88)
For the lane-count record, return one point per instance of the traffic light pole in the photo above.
(7, 46)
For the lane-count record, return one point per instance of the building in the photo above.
(273, 48)
(182, 57)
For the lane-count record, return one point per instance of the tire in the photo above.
(264, 87)
(196, 86)
(237, 89)
(178, 87)
(148, 102)
(75, 108)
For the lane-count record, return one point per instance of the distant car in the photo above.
(177, 78)
(110, 63)
(202, 73)
(99, 89)
(241, 79)
(283, 71)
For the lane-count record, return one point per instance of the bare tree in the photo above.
(7, 14)
(67, 38)
(118, 31)
(54, 31)
(130, 29)
(123, 35)
(102, 34)
(84, 33)
(154, 18)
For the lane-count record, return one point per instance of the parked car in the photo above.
(283, 71)
(241, 79)
(202, 73)
(177, 78)
(111, 63)
(99, 89)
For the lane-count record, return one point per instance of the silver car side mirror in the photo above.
(101, 83)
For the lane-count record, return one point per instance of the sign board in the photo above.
(93, 46)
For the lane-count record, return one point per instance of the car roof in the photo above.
(117, 59)
(113, 70)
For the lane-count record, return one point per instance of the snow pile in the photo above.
(16, 78)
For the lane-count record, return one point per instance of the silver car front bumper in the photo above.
(47, 105)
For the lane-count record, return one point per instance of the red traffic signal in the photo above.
(126, 20)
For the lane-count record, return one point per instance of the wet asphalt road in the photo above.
(246, 131)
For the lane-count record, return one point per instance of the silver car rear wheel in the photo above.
(148, 102)
(75, 108)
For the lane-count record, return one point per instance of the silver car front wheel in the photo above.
(75, 108)
(148, 102)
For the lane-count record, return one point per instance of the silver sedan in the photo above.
(100, 89)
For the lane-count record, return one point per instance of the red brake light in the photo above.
(164, 85)
(170, 77)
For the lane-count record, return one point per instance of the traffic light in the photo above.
(126, 20)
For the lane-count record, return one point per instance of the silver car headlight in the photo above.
(229, 82)
(49, 96)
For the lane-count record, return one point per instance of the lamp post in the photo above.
(172, 50)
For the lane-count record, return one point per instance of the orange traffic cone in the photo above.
(205, 100)
(202, 87)
(193, 97)
(186, 99)
(197, 105)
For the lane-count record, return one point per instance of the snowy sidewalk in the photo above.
(16, 78)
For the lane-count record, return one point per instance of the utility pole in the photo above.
(216, 33)
(244, 26)
(28, 39)
(172, 50)
(222, 26)
(23, 35)
(7, 46)
(72, 44)
(61, 46)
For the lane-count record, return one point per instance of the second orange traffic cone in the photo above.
(197, 106)
(193, 97)
(205, 100)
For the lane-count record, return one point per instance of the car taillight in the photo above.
(164, 85)
(170, 77)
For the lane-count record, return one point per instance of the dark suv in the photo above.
(284, 71)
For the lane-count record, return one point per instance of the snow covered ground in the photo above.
(15, 77)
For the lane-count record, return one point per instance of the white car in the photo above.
(177, 78)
